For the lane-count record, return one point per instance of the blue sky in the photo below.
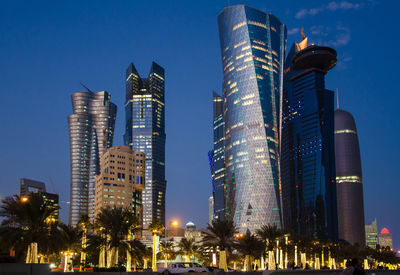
(48, 48)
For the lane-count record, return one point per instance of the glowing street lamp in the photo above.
(24, 199)
(173, 223)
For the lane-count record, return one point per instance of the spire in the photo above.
(337, 98)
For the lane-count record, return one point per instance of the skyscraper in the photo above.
(307, 144)
(253, 49)
(145, 132)
(371, 234)
(216, 157)
(91, 131)
(349, 179)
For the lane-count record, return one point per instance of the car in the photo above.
(182, 267)
(214, 268)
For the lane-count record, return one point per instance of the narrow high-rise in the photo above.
(307, 144)
(216, 158)
(252, 49)
(349, 179)
(145, 132)
(91, 131)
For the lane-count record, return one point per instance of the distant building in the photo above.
(349, 179)
(145, 132)
(28, 186)
(91, 132)
(121, 180)
(371, 234)
(252, 45)
(385, 238)
(216, 158)
(307, 144)
(210, 209)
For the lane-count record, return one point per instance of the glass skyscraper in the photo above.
(349, 179)
(253, 49)
(91, 131)
(216, 157)
(307, 144)
(145, 132)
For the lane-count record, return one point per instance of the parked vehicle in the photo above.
(182, 267)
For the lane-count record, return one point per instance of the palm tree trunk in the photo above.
(248, 263)
(28, 255)
(154, 257)
(222, 260)
(262, 262)
(102, 256)
(271, 260)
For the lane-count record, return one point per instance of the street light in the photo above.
(173, 223)
(24, 199)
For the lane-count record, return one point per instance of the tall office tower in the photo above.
(28, 186)
(145, 132)
(385, 239)
(371, 234)
(121, 180)
(91, 131)
(307, 144)
(216, 157)
(349, 179)
(253, 49)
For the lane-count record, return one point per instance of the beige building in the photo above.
(121, 180)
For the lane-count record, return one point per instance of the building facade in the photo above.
(121, 180)
(385, 239)
(371, 234)
(307, 144)
(210, 209)
(91, 131)
(145, 132)
(216, 157)
(28, 186)
(253, 49)
(349, 179)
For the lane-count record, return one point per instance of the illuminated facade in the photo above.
(252, 48)
(307, 145)
(216, 158)
(145, 132)
(91, 131)
(121, 180)
(385, 239)
(349, 179)
(371, 234)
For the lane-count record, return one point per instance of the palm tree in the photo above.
(188, 248)
(84, 224)
(251, 247)
(220, 233)
(270, 234)
(70, 242)
(168, 248)
(137, 251)
(24, 222)
(156, 228)
(113, 225)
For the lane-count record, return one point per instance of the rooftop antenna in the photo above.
(337, 97)
(85, 87)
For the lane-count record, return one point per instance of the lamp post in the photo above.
(173, 223)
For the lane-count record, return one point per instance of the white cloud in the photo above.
(331, 6)
(343, 60)
(342, 37)
(293, 31)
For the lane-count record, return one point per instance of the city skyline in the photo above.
(358, 93)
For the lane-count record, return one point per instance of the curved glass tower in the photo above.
(349, 179)
(91, 132)
(252, 48)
